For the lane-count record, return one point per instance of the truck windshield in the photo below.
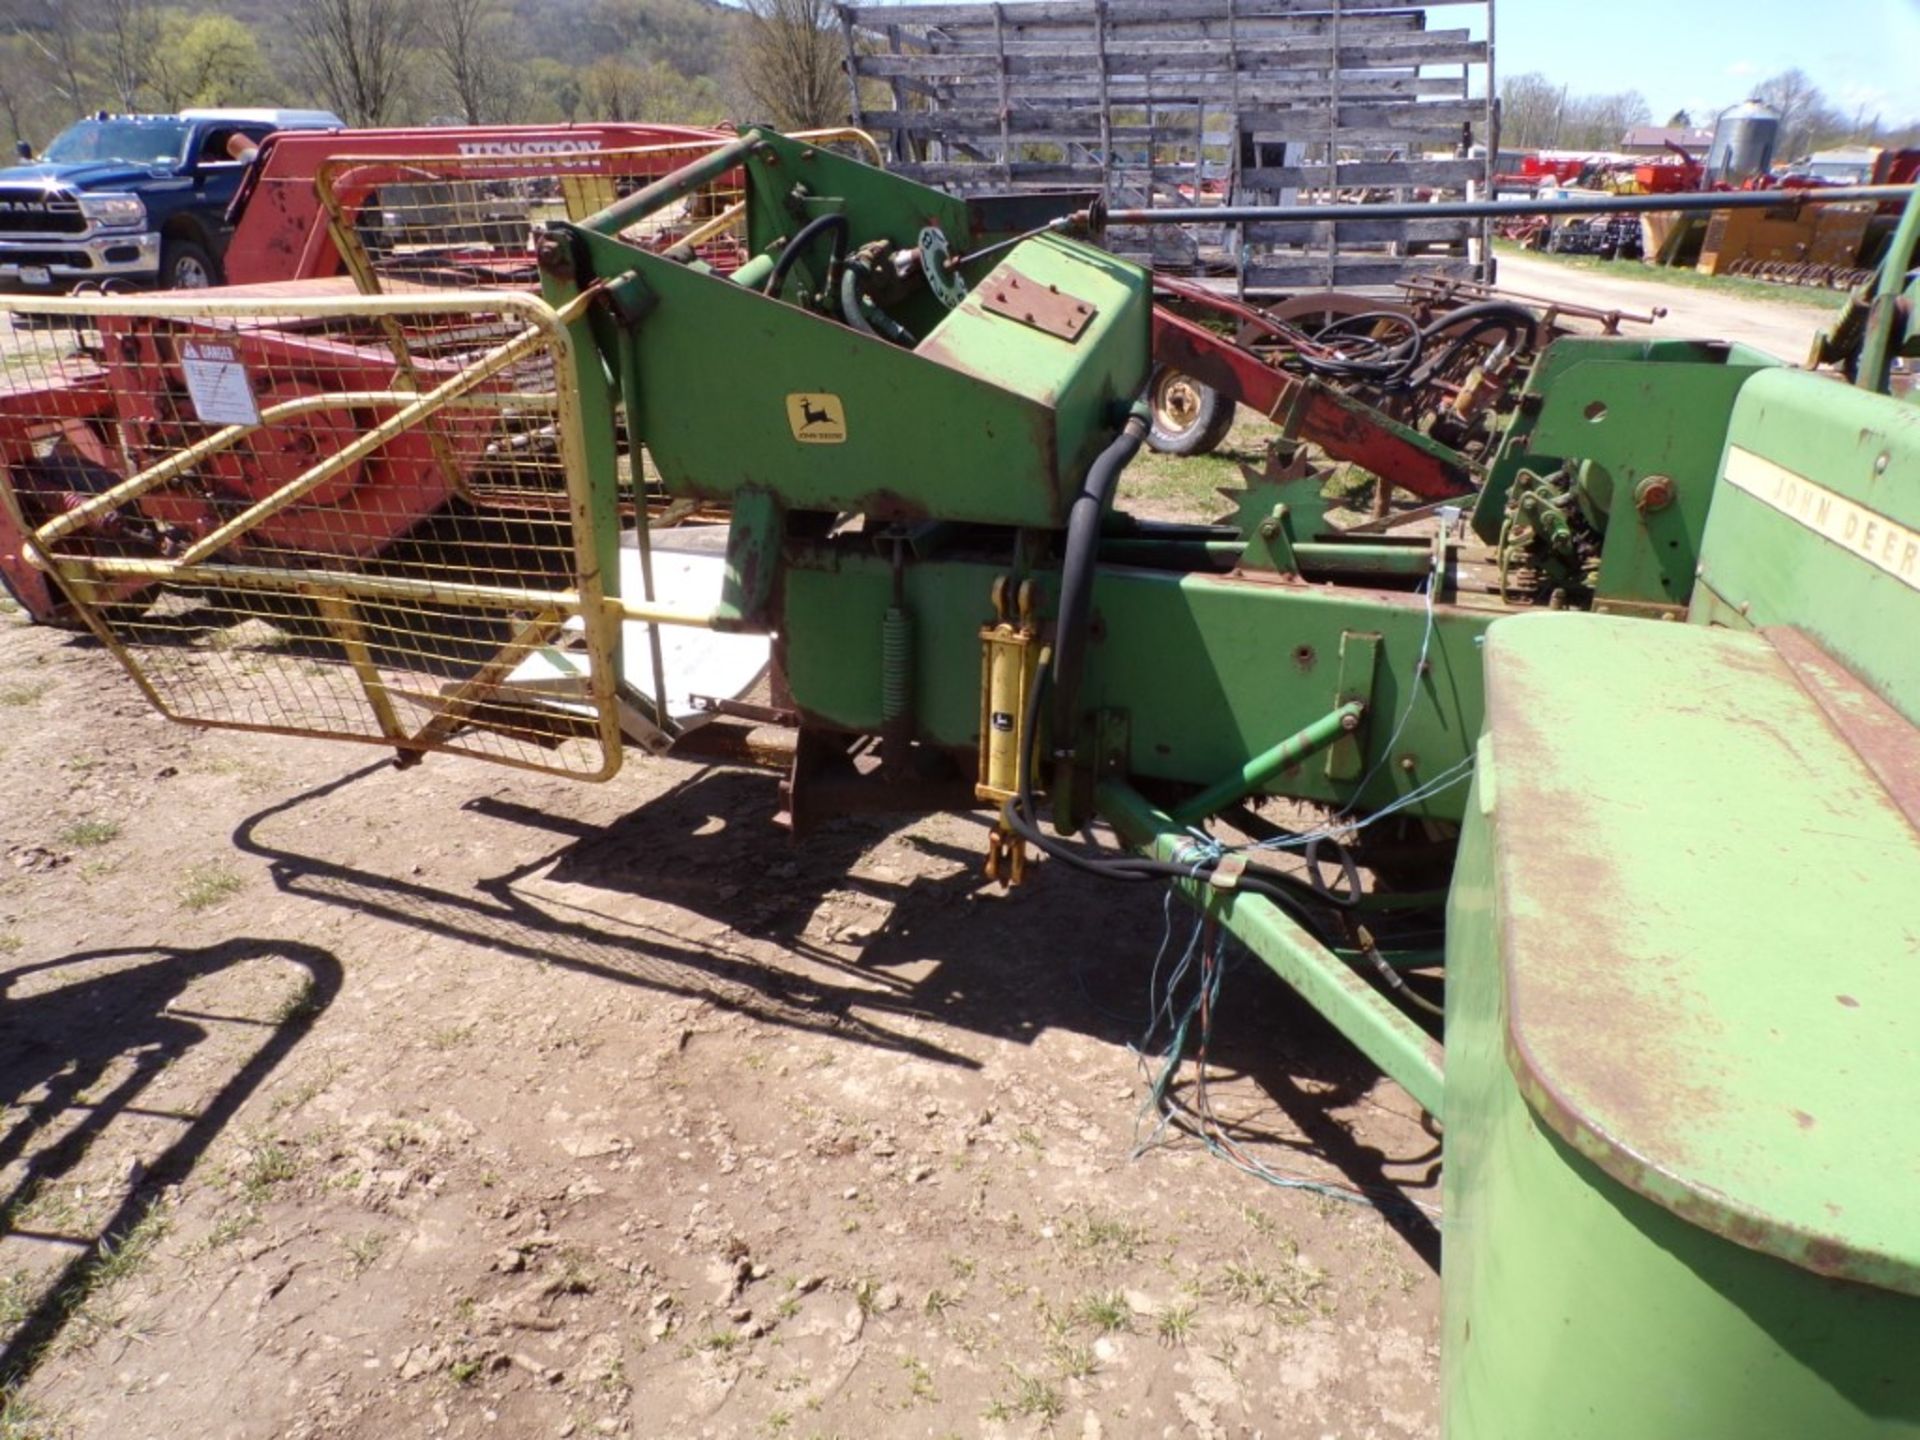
(137, 142)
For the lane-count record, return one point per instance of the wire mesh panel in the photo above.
(366, 518)
(469, 219)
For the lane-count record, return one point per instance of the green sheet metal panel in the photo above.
(1629, 410)
(1209, 671)
(1816, 524)
(718, 381)
(1681, 976)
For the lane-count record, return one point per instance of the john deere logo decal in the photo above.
(817, 419)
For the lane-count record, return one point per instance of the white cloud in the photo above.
(1740, 69)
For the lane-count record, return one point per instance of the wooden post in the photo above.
(854, 108)
(1006, 102)
(1333, 149)
(902, 141)
(1106, 109)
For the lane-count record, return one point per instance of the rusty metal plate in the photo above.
(1046, 308)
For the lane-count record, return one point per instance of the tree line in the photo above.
(414, 62)
(1536, 113)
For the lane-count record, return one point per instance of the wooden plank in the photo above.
(1364, 174)
(1267, 93)
(1359, 49)
(986, 176)
(1421, 116)
(1078, 11)
(1320, 233)
(1312, 272)
(1027, 128)
(1366, 29)
(1204, 56)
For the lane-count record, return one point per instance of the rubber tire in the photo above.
(178, 252)
(1211, 419)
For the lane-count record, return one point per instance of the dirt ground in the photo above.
(348, 1101)
(1783, 328)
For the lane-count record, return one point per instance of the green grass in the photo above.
(207, 885)
(269, 1164)
(85, 833)
(23, 1420)
(1034, 1396)
(122, 1256)
(18, 1294)
(24, 692)
(363, 1250)
(1285, 1290)
(1170, 487)
(1730, 285)
(1107, 1312)
(1103, 1237)
(302, 1004)
(1175, 1324)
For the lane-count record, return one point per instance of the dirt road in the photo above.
(347, 1101)
(1780, 328)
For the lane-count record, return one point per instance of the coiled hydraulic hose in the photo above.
(1405, 364)
(797, 246)
(862, 314)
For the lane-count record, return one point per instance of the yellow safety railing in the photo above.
(274, 529)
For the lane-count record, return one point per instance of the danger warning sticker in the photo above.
(217, 383)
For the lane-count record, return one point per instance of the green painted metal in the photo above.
(1191, 660)
(1679, 997)
(1818, 526)
(1615, 414)
(1380, 1031)
(988, 419)
(1672, 1209)
(1889, 328)
(1255, 774)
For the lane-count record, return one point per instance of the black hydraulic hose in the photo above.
(797, 246)
(1477, 319)
(854, 306)
(1018, 814)
(1076, 573)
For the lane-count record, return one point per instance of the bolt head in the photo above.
(1654, 492)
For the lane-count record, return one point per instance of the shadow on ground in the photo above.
(84, 1058)
(946, 951)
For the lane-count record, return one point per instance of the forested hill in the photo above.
(424, 60)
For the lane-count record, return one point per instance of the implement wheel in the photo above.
(1188, 418)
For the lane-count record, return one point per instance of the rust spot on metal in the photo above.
(1884, 739)
(884, 504)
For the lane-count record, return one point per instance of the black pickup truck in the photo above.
(131, 200)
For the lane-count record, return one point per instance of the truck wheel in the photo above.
(186, 265)
(1188, 418)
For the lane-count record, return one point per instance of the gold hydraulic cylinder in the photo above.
(1009, 654)
(1010, 657)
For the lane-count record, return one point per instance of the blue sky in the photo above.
(1702, 55)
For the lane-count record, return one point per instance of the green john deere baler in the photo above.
(1637, 728)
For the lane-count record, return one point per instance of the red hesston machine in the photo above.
(94, 421)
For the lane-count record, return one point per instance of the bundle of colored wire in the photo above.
(1206, 950)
